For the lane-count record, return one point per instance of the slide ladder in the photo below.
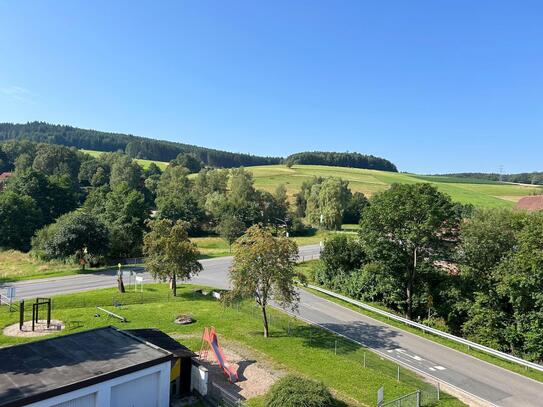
(210, 341)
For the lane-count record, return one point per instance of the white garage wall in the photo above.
(102, 394)
(84, 401)
(142, 391)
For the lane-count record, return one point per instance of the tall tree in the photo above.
(169, 253)
(73, 234)
(263, 269)
(408, 227)
(20, 217)
(230, 228)
(175, 200)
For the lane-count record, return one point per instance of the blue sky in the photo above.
(434, 86)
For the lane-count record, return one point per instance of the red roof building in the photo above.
(531, 203)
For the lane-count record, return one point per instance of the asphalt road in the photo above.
(492, 384)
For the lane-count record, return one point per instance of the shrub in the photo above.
(293, 391)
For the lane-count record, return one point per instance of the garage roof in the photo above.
(39, 370)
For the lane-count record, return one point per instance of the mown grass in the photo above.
(479, 193)
(300, 348)
(307, 269)
(16, 266)
(215, 246)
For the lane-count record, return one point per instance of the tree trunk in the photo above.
(120, 284)
(265, 321)
(173, 285)
(410, 285)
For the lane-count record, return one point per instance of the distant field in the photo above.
(144, 163)
(477, 192)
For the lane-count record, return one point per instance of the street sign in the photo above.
(380, 396)
(10, 293)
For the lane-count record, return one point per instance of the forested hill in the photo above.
(353, 160)
(535, 178)
(136, 147)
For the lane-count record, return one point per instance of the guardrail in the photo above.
(425, 328)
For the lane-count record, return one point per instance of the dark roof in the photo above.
(162, 340)
(39, 370)
(531, 203)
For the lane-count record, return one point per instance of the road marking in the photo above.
(417, 358)
(432, 369)
(439, 367)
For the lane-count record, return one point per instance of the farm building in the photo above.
(4, 177)
(100, 367)
(531, 203)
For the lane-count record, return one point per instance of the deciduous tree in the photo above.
(169, 253)
(263, 269)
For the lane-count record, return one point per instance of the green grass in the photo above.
(477, 192)
(300, 348)
(307, 270)
(144, 163)
(215, 246)
(16, 266)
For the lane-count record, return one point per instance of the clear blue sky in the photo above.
(434, 86)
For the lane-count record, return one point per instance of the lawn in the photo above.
(215, 246)
(293, 346)
(15, 266)
(477, 192)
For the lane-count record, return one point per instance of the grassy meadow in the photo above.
(478, 192)
(144, 163)
(482, 193)
(293, 346)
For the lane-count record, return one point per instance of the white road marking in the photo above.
(439, 367)
(432, 369)
(417, 358)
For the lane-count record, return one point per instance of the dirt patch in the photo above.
(40, 329)
(255, 374)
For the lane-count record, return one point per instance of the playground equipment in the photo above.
(211, 341)
(35, 312)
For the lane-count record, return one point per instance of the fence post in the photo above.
(364, 359)
(398, 375)
(418, 398)
(438, 391)
(335, 347)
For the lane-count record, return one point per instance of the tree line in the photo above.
(353, 160)
(477, 273)
(161, 150)
(64, 204)
(136, 147)
(534, 178)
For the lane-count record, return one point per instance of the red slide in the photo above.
(211, 341)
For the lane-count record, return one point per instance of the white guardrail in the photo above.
(470, 344)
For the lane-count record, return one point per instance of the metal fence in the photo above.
(437, 332)
(219, 396)
(357, 355)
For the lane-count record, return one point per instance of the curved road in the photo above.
(489, 384)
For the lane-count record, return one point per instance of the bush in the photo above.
(293, 391)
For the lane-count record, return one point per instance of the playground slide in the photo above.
(210, 337)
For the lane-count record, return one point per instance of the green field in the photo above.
(477, 192)
(483, 193)
(293, 346)
(144, 163)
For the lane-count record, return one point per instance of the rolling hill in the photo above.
(478, 192)
(483, 193)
